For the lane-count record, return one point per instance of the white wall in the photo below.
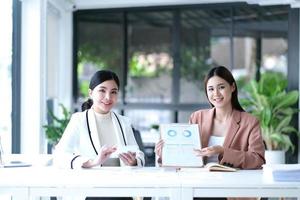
(40, 74)
(59, 54)
(32, 74)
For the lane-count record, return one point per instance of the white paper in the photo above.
(17, 164)
(180, 140)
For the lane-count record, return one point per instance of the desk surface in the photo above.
(243, 183)
(106, 181)
(102, 177)
(136, 177)
(239, 179)
(183, 184)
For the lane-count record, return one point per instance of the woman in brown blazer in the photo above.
(229, 135)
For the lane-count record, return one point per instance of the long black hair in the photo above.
(98, 78)
(225, 74)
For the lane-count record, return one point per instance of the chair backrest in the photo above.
(138, 139)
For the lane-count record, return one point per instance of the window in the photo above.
(205, 42)
(260, 40)
(150, 64)
(99, 46)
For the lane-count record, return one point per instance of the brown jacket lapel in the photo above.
(234, 127)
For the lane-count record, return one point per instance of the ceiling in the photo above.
(271, 20)
(95, 4)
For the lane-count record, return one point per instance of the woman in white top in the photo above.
(93, 135)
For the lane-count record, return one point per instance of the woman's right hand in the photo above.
(158, 148)
(103, 155)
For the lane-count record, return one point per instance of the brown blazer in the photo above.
(243, 144)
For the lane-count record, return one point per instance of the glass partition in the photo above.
(274, 54)
(205, 43)
(100, 44)
(260, 40)
(150, 57)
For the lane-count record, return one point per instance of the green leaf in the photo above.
(55, 129)
(289, 99)
(289, 129)
(274, 107)
(283, 123)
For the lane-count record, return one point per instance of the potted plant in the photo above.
(56, 127)
(274, 107)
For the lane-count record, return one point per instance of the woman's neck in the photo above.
(223, 114)
(97, 110)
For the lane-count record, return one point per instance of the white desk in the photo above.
(18, 193)
(244, 183)
(117, 182)
(32, 182)
(12, 183)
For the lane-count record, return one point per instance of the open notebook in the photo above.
(219, 167)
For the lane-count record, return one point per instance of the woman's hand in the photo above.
(103, 155)
(210, 151)
(128, 158)
(158, 148)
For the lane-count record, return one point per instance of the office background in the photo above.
(161, 51)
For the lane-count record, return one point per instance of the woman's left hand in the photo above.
(210, 151)
(128, 158)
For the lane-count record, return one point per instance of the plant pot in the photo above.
(275, 157)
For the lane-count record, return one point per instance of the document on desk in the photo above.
(16, 164)
(180, 140)
(282, 172)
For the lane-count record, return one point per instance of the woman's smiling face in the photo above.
(219, 92)
(105, 96)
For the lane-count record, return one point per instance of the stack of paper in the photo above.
(283, 172)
